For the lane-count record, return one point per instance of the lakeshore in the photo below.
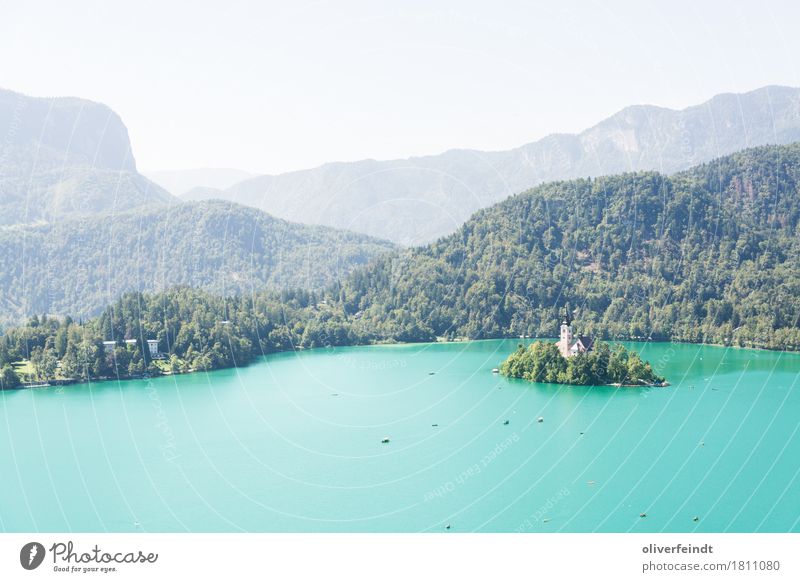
(164, 372)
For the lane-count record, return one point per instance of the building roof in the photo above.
(567, 318)
(586, 341)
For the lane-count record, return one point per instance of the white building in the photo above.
(152, 344)
(109, 346)
(568, 344)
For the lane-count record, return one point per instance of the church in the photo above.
(570, 345)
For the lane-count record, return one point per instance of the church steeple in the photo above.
(565, 340)
(567, 316)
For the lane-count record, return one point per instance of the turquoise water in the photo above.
(294, 444)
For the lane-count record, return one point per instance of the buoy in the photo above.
(385, 440)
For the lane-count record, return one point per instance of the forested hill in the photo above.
(79, 267)
(711, 254)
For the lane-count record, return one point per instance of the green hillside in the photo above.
(711, 254)
(78, 267)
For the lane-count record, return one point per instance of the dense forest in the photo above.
(543, 362)
(708, 255)
(78, 267)
(195, 331)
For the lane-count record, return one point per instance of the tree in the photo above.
(45, 363)
(70, 367)
(60, 341)
(618, 365)
(636, 368)
(136, 366)
(579, 371)
(8, 378)
(174, 364)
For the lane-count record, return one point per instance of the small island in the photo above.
(580, 361)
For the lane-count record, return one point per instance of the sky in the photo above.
(270, 87)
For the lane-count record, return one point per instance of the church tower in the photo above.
(565, 343)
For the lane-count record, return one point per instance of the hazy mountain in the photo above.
(182, 182)
(419, 199)
(78, 266)
(202, 193)
(66, 157)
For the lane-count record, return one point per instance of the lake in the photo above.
(293, 443)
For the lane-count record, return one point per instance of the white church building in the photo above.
(570, 345)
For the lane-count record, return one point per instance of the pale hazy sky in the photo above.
(270, 87)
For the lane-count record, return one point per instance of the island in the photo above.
(581, 361)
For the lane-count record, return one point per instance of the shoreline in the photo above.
(298, 349)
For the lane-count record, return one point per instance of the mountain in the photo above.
(711, 254)
(707, 255)
(420, 199)
(202, 193)
(79, 266)
(66, 157)
(183, 182)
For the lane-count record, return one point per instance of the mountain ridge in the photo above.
(421, 198)
(182, 181)
(66, 157)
